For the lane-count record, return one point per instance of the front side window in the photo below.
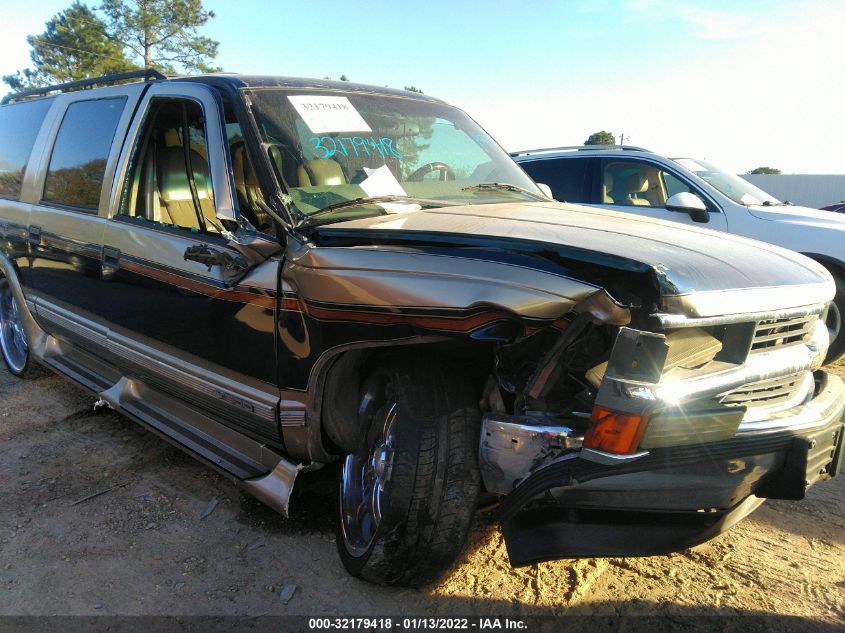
(633, 183)
(169, 182)
(674, 185)
(19, 126)
(331, 147)
(78, 161)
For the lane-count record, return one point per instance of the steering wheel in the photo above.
(446, 172)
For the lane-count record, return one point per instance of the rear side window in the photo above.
(78, 162)
(567, 177)
(19, 126)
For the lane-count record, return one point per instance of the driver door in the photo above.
(642, 187)
(180, 322)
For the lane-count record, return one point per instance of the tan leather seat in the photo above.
(175, 192)
(636, 183)
(606, 187)
(320, 172)
(247, 187)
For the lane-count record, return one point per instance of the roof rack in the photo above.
(579, 148)
(147, 75)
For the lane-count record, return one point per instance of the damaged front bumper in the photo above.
(584, 502)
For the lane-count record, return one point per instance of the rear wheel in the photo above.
(409, 492)
(13, 342)
(835, 325)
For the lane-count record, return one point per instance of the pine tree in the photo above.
(163, 33)
(74, 45)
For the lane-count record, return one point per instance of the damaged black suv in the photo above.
(278, 274)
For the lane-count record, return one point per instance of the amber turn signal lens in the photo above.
(615, 432)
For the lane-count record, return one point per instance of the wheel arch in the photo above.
(37, 337)
(335, 382)
(829, 262)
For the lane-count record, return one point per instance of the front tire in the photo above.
(409, 492)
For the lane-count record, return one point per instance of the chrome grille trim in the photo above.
(764, 393)
(773, 333)
(767, 398)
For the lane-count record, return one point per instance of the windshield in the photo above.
(332, 147)
(736, 188)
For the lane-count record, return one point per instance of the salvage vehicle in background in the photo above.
(695, 193)
(276, 274)
(838, 207)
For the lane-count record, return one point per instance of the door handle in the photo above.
(35, 235)
(111, 263)
(111, 256)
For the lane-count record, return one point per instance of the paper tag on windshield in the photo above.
(382, 182)
(329, 114)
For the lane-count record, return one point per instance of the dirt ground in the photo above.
(144, 546)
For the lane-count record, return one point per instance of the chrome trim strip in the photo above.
(609, 459)
(671, 321)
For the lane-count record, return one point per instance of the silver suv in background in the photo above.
(694, 192)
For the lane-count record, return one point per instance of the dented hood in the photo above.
(697, 272)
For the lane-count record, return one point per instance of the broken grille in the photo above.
(782, 332)
(766, 393)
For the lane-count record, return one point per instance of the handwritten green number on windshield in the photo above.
(346, 145)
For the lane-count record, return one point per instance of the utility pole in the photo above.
(623, 138)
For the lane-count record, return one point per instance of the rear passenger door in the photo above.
(177, 322)
(73, 186)
(570, 179)
(20, 124)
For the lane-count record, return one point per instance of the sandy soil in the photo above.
(143, 546)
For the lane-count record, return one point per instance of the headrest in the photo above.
(242, 167)
(636, 183)
(324, 170)
(608, 181)
(171, 138)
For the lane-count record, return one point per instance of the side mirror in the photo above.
(546, 190)
(686, 202)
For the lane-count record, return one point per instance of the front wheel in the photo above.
(409, 492)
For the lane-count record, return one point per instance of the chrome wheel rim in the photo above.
(12, 335)
(365, 481)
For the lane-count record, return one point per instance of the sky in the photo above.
(742, 84)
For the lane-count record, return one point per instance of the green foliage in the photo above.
(765, 170)
(74, 45)
(601, 138)
(163, 33)
(413, 89)
(77, 43)
(344, 78)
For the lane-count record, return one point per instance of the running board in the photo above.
(260, 470)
